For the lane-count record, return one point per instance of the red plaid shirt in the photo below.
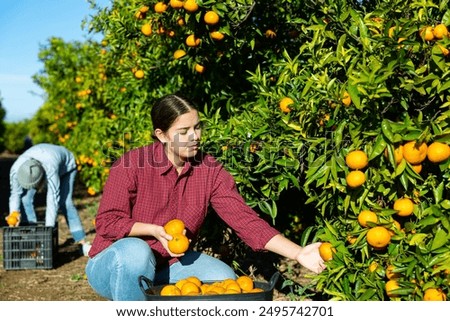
(144, 186)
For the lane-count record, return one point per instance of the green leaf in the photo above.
(441, 238)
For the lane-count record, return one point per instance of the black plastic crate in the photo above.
(29, 247)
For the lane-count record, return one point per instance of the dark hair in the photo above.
(167, 109)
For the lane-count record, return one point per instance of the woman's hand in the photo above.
(310, 258)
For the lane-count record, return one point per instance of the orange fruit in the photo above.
(232, 291)
(211, 18)
(170, 290)
(356, 159)
(355, 179)
(270, 34)
(413, 153)
(144, 9)
(233, 286)
(390, 286)
(367, 216)
(245, 283)
(390, 274)
(180, 283)
(284, 104)
(440, 31)
(256, 290)
(190, 288)
(404, 206)
(215, 289)
(326, 251)
(199, 68)
(175, 226)
(141, 13)
(192, 41)
(378, 237)
(15, 214)
(444, 50)
(438, 152)
(146, 29)
(204, 288)
(139, 74)
(395, 227)
(346, 99)
(398, 154)
(176, 4)
(434, 295)
(190, 6)
(392, 30)
(417, 168)
(216, 35)
(11, 220)
(160, 7)
(194, 280)
(178, 244)
(181, 22)
(373, 267)
(427, 33)
(179, 54)
(351, 239)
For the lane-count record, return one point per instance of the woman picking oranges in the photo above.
(172, 179)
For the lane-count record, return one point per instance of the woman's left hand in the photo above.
(310, 258)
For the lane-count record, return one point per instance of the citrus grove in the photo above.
(332, 116)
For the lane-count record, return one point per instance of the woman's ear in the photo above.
(160, 135)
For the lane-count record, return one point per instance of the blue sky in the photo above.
(26, 25)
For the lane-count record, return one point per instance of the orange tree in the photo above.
(286, 89)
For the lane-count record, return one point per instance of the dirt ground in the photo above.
(67, 280)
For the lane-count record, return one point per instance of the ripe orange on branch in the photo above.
(284, 104)
(440, 31)
(414, 153)
(356, 159)
(438, 152)
(190, 6)
(326, 251)
(404, 206)
(355, 178)
(192, 41)
(392, 285)
(378, 237)
(216, 35)
(434, 295)
(366, 216)
(160, 7)
(176, 4)
(211, 18)
(179, 54)
(146, 29)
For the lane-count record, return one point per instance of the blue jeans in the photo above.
(66, 206)
(114, 272)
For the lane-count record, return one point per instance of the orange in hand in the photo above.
(175, 226)
(178, 244)
(11, 220)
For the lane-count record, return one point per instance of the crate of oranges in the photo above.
(244, 288)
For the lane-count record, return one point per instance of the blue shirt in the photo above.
(56, 161)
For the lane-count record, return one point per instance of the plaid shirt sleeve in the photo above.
(231, 207)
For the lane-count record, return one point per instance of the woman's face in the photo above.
(183, 137)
